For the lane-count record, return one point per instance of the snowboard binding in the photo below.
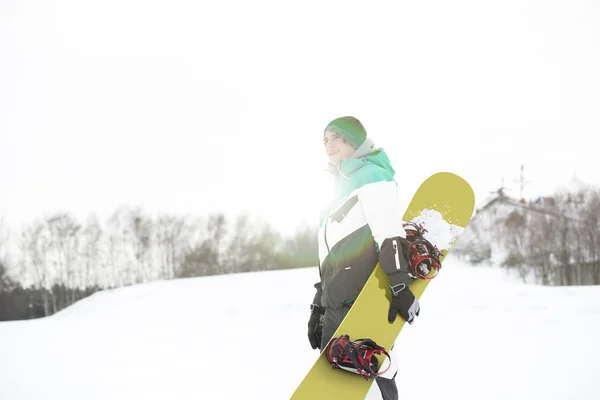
(423, 257)
(357, 357)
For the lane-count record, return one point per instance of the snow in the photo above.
(439, 232)
(480, 334)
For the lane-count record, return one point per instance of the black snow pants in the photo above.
(331, 321)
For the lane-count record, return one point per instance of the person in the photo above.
(361, 226)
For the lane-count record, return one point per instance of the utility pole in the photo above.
(522, 181)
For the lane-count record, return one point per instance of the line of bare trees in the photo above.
(61, 259)
(559, 245)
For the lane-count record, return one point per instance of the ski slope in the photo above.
(481, 335)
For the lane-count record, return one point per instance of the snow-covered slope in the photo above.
(480, 334)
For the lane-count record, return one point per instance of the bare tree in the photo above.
(545, 245)
(35, 262)
(113, 276)
(516, 240)
(217, 230)
(301, 250)
(170, 242)
(237, 255)
(121, 248)
(93, 265)
(4, 279)
(590, 234)
(4, 239)
(141, 228)
(205, 255)
(63, 234)
(264, 250)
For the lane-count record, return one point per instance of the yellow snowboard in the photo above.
(443, 204)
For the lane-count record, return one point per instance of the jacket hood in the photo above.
(366, 154)
(368, 164)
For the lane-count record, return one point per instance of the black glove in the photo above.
(315, 326)
(403, 300)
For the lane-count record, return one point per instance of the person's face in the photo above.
(336, 147)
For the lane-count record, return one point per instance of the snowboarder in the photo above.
(361, 226)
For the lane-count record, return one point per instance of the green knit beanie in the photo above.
(350, 128)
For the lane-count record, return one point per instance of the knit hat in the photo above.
(350, 128)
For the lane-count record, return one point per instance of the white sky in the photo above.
(182, 107)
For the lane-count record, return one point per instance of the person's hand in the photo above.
(315, 326)
(403, 303)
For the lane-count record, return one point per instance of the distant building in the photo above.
(480, 241)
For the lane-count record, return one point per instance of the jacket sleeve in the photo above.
(381, 206)
(317, 298)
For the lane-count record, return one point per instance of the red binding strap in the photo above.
(357, 357)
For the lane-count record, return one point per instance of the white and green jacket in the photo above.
(364, 213)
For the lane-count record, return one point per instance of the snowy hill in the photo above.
(481, 334)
